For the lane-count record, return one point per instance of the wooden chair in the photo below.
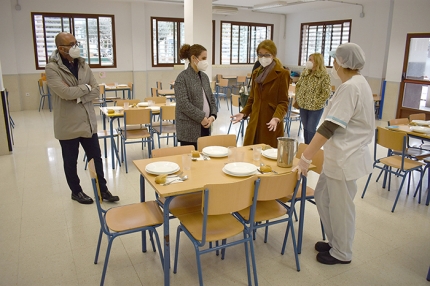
(154, 92)
(131, 86)
(291, 116)
(215, 221)
(417, 116)
(413, 152)
(240, 81)
(159, 84)
(221, 91)
(394, 140)
(166, 125)
(216, 140)
(133, 117)
(125, 219)
(235, 102)
(188, 203)
(44, 92)
(103, 93)
(269, 211)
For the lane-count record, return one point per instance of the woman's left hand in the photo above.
(272, 124)
(210, 120)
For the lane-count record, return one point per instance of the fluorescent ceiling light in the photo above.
(224, 10)
(270, 5)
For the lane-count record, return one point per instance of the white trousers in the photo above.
(334, 200)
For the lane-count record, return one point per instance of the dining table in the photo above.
(119, 87)
(117, 115)
(202, 172)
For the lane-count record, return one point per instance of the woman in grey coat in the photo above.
(195, 104)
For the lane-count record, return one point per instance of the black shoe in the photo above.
(322, 246)
(107, 196)
(82, 198)
(326, 258)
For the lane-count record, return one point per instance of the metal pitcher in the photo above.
(287, 149)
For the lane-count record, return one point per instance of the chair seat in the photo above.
(396, 162)
(219, 227)
(310, 193)
(166, 128)
(106, 133)
(266, 210)
(136, 134)
(181, 205)
(134, 216)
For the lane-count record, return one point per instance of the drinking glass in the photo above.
(231, 154)
(186, 162)
(256, 153)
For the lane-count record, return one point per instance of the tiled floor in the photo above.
(48, 239)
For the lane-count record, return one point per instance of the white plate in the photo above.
(122, 85)
(142, 104)
(270, 154)
(240, 169)
(420, 129)
(236, 175)
(421, 122)
(215, 151)
(116, 108)
(162, 167)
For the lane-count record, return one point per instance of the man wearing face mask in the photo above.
(196, 108)
(347, 130)
(73, 88)
(312, 90)
(268, 99)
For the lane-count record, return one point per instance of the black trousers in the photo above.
(204, 132)
(70, 151)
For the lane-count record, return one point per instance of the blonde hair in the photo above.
(268, 45)
(318, 62)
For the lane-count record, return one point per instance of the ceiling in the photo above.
(291, 6)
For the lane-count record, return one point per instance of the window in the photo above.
(168, 35)
(415, 85)
(322, 37)
(239, 41)
(96, 34)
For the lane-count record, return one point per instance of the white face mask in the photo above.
(74, 52)
(202, 65)
(334, 73)
(265, 61)
(309, 65)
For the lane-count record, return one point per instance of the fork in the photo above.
(183, 178)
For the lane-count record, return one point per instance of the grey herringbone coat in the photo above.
(189, 103)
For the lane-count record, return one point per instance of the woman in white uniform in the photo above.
(347, 130)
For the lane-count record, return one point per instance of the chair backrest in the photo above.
(218, 77)
(417, 116)
(394, 140)
(137, 116)
(43, 87)
(171, 151)
(159, 85)
(131, 86)
(223, 82)
(291, 89)
(229, 198)
(213, 84)
(333, 88)
(216, 140)
(279, 186)
(93, 175)
(154, 92)
(156, 100)
(120, 102)
(398, 121)
(167, 112)
(317, 160)
(241, 79)
(235, 100)
(102, 89)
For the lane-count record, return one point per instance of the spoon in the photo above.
(183, 178)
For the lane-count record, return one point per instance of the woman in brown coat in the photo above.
(268, 100)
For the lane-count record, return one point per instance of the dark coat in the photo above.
(189, 103)
(264, 103)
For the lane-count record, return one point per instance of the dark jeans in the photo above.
(310, 120)
(70, 151)
(204, 132)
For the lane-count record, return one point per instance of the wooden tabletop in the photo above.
(120, 113)
(407, 129)
(202, 172)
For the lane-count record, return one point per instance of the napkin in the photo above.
(201, 158)
(170, 179)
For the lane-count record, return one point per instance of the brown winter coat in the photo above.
(265, 102)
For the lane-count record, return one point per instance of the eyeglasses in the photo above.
(77, 44)
(264, 56)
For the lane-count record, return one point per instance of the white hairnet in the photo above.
(349, 55)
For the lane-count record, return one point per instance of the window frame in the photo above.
(72, 18)
(323, 39)
(178, 45)
(249, 24)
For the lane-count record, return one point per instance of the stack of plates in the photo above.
(162, 167)
(420, 129)
(421, 122)
(142, 104)
(270, 154)
(240, 169)
(215, 151)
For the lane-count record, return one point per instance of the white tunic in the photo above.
(347, 151)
